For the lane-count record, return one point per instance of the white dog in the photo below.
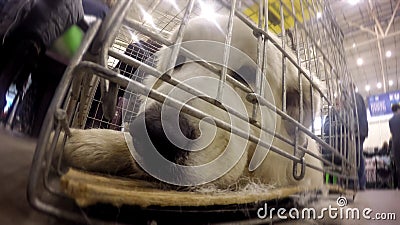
(106, 151)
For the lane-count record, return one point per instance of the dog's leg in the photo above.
(99, 150)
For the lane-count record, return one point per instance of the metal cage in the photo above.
(115, 48)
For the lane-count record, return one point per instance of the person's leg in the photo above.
(18, 60)
(395, 175)
(7, 56)
(362, 180)
(46, 77)
(397, 167)
(398, 175)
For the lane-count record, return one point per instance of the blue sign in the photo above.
(380, 105)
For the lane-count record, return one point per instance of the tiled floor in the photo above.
(16, 154)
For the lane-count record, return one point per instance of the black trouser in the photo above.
(396, 160)
(362, 179)
(45, 79)
(17, 60)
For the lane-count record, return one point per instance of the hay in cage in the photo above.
(88, 189)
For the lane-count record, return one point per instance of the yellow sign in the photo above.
(303, 11)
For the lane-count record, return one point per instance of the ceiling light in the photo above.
(173, 3)
(134, 37)
(319, 15)
(207, 10)
(353, 2)
(354, 45)
(360, 61)
(148, 18)
(390, 83)
(367, 87)
(388, 54)
(379, 85)
(356, 90)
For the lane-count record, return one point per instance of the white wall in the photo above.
(378, 131)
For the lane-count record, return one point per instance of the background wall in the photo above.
(378, 131)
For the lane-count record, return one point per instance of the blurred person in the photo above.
(334, 126)
(27, 29)
(51, 66)
(385, 148)
(360, 138)
(394, 125)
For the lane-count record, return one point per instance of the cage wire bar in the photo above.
(121, 50)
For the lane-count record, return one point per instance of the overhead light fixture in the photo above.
(367, 87)
(353, 2)
(356, 89)
(148, 18)
(173, 3)
(379, 85)
(390, 82)
(134, 37)
(354, 45)
(388, 54)
(360, 61)
(319, 15)
(207, 10)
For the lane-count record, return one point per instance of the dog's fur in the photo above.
(106, 151)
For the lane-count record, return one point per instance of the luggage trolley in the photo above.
(121, 50)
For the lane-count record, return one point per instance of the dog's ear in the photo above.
(311, 104)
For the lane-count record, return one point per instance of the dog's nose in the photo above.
(169, 131)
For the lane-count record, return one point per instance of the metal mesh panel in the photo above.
(128, 103)
(308, 39)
